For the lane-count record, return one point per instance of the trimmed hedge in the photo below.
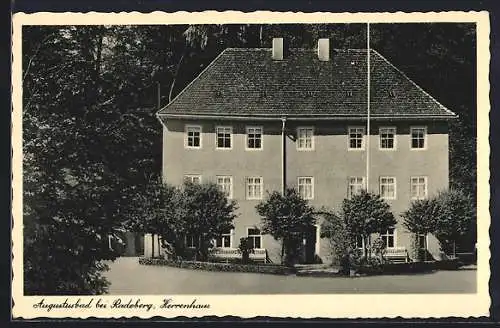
(408, 268)
(221, 267)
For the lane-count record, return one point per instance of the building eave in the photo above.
(326, 117)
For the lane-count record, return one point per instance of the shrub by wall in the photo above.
(402, 268)
(221, 267)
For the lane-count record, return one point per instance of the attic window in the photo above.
(392, 93)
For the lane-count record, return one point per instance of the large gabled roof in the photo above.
(248, 82)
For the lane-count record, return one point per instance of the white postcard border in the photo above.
(248, 306)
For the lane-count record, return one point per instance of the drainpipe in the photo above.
(283, 155)
(368, 107)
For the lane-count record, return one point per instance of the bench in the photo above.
(396, 254)
(259, 255)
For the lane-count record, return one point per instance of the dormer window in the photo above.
(348, 93)
(392, 93)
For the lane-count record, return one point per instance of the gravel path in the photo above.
(127, 276)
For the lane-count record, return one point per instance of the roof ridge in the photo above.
(301, 49)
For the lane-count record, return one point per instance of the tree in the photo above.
(420, 219)
(204, 212)
(157, 214)
(366, 213)
(456, 220)
(286, 217)
(71, 195)
(245, 248)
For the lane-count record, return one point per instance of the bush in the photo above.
(221, 267)
(377, 268)
(245, 249)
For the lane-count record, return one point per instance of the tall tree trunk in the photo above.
(152, 245)
(260, 34)
(283, 251)
(174, 79)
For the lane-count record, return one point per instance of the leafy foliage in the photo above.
(204, 211)
(420, 218)
(366, 213)
(245, 248)
(450, 216)
(342, 241)
(456, 221)
(286, 217)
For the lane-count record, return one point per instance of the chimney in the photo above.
(278, 48)
(324, 49)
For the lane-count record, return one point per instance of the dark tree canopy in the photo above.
(366, 213)
(286, 217)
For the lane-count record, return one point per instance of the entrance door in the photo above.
(310, 245)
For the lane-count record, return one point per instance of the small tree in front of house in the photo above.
(366, 213)
(203, 212)
(245, 248)
(456, 219)
(157, 214)
(342, 242)
(287, 217)
(420, 219)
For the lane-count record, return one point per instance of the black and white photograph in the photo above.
(266, 159)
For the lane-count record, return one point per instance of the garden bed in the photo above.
(220, 267)
(408, 268)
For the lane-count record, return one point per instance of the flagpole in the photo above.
(368, 108)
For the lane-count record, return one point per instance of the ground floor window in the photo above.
(360, 243)
(192, 241)
(254, 237)
(388, 238)
(224, 241)
(422, 241)
(191, 178)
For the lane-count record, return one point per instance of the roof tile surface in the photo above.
(250, 82)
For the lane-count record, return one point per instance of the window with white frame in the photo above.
(422, 241)
(225, 184)
(360, 243)
(254, 237)
(356, 184)
(418, 187)
(254, 137)
(224, 135)
(387, 137)
(254, 188)
(192, 241)
(388, 187)
(224, 241)
(193, 136)
(418, 137)
(192, 178)
(306, 187)
(356, 138)
(305, 138)
(388, 238)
